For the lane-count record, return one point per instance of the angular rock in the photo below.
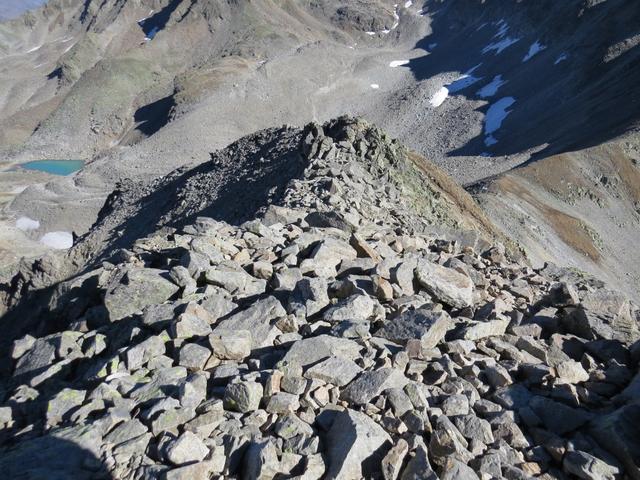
(290, 426)
(125, 431)
(261, 461)
(356, 445)
(235, 345)
(311, 350)
(356, 307)
(243, 397)
(558, 417)
(456, 470)
(425, 325)
(309, 297)
(392, 462)
(135, 290)
(334, 370)
(256, 319)
(371, 383)
(194, 356)
(571, 371)
(419, 467)
(193, 322)
(445, 284)
(479, 330)
(326, 256)
(138, 355)
(187, 448)
(283, 402)
(474, 428)
(62, 403)
(39, 356)
(588, 467)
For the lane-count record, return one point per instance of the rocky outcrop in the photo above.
(153, 367)
(345, 174)
(333, 330)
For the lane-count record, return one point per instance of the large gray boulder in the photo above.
(619, 433)
(425, 325)
(136, 289)
(356, 446)
(603, 314)
(334, 370)
(586, 466)
(256, 319)
(371, 384)
(314, 349)
(445, 284)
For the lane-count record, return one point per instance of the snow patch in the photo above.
(396, 17)
(465, 80)
(439, 97)
(375, 86)
(408, 3)
(398, 63)
(35, 49)
(25, 224)
(494, 118)
(147, 17)
(57, 240)
(535, 48)
(503, 28)
(490, 89)
(490, 140)
(561, 58)
(500, 45)
(462, 82)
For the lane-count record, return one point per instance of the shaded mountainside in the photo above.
(568, 69)
(341, 334)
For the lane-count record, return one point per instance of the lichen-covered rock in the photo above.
(136, 289)
(243, 396)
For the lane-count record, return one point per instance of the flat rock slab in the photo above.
(558, 417)
(445, 284)
(309, 351)
(372, 383)
(256, 319)
(425, 325)
(137, 289)
(72, 452)
(336, 371)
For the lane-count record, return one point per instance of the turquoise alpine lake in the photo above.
(55, 167)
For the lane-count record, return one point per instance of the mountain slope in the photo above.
(339, 332)
(581, 207)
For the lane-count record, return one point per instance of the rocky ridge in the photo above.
(346, 173)
(321, 339)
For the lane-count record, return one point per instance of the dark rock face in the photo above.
(312, 350)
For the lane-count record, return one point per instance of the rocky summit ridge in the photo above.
(348, 314)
